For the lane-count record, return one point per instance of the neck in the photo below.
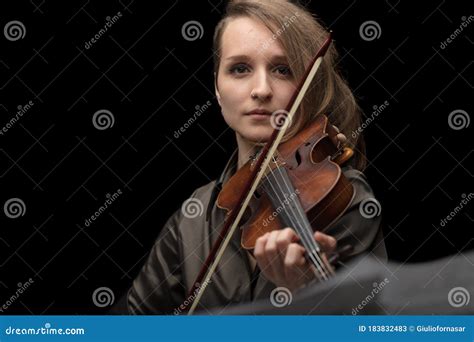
(246, 149)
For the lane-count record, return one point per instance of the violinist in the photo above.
(261, 50)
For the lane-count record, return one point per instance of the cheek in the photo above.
(232, 99)
(283, 94)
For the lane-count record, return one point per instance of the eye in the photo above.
(283, 70)
(238, 69)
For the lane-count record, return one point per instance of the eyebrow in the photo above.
(276, 58)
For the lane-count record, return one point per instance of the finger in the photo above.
(259, 252)
(294, 256)
(328, 243)
(296, 266)
(336, 128)
(284, 238)
(341, 138)
(271, 250)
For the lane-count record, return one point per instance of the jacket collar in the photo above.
(228, 171)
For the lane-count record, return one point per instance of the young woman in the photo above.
(261, 49)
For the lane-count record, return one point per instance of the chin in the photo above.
(257, 134)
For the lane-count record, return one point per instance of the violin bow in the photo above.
(234, 217)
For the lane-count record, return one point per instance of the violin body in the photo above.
(312, 162)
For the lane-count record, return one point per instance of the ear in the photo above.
(218, 95)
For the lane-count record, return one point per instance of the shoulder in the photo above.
(354, 174)
(191, 212)
(362, 188)
(204, 192)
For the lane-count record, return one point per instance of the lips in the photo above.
(259, 112)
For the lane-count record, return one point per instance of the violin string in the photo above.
(304, 238)
(306, 229)
(304, 233)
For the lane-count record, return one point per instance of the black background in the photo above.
(151, 79)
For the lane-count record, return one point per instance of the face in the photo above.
(254, 79)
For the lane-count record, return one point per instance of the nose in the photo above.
(262, 89)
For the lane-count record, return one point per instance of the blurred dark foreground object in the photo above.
(367, 286)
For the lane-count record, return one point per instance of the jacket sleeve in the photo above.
(158, 288)
(360, 226)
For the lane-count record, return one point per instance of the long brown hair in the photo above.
(301, 35)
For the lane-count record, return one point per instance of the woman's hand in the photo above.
(340, 138)
(282, 260)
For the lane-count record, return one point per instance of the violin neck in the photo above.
(286, 203)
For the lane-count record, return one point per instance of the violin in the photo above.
(298, 183)
(304, 188)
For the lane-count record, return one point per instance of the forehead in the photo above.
(247, 36)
